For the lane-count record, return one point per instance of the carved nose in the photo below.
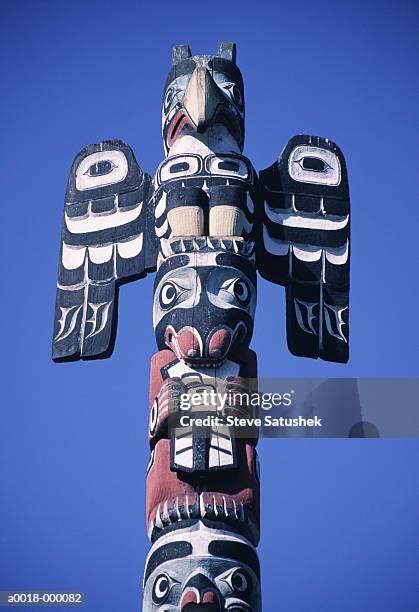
(219, 343)
(199, 594)
(192, 601)
(202, 98)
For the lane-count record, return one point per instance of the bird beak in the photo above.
(202, 98)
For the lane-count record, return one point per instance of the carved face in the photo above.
(201, 568)
(204, 304)
(201, 91)
(232, 497)
(204, 181)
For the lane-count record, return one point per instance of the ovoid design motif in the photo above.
(207, 222)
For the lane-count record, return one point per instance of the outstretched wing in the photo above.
(107, 239)
(304, 244)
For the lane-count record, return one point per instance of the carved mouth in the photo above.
(189, 347)
(207, 505)
(222, 115)
(178, 123)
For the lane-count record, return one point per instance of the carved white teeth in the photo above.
(236, 512)
(158, 520)
(165, 516)
(177, 508)
(202, 510)
(172, 246)
(225, 506)
(235, 509)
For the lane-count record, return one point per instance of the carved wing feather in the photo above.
(304, 244)
(105, 242)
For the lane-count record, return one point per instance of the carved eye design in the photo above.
(313, 164)
(316, 165)
(227, 166)
(180, 167)
(100, 168)
(169, 294)
(239, 580)
(230, 166)
(239, 289)
(168, 97)
(235, 94)
(161, 588)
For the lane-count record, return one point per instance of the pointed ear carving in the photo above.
(180, 53)
(227, 50)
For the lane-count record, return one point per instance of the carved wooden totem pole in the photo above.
(206, 223)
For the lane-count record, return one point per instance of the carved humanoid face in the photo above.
(232, 498)
(201, 91)
(199, 568)
(204, 304)
(221, 189)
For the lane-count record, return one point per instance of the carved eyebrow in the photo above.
(238, 263)
(230, 70)
(170, 264)
(237, 551)
(167, 552)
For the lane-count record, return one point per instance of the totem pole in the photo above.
(206, 223)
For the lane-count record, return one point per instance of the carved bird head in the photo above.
(202, 91)
(199, 568)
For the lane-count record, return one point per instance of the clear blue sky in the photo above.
(340, 528)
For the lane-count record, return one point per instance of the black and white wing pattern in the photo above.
(107, 239)
(304, 244)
